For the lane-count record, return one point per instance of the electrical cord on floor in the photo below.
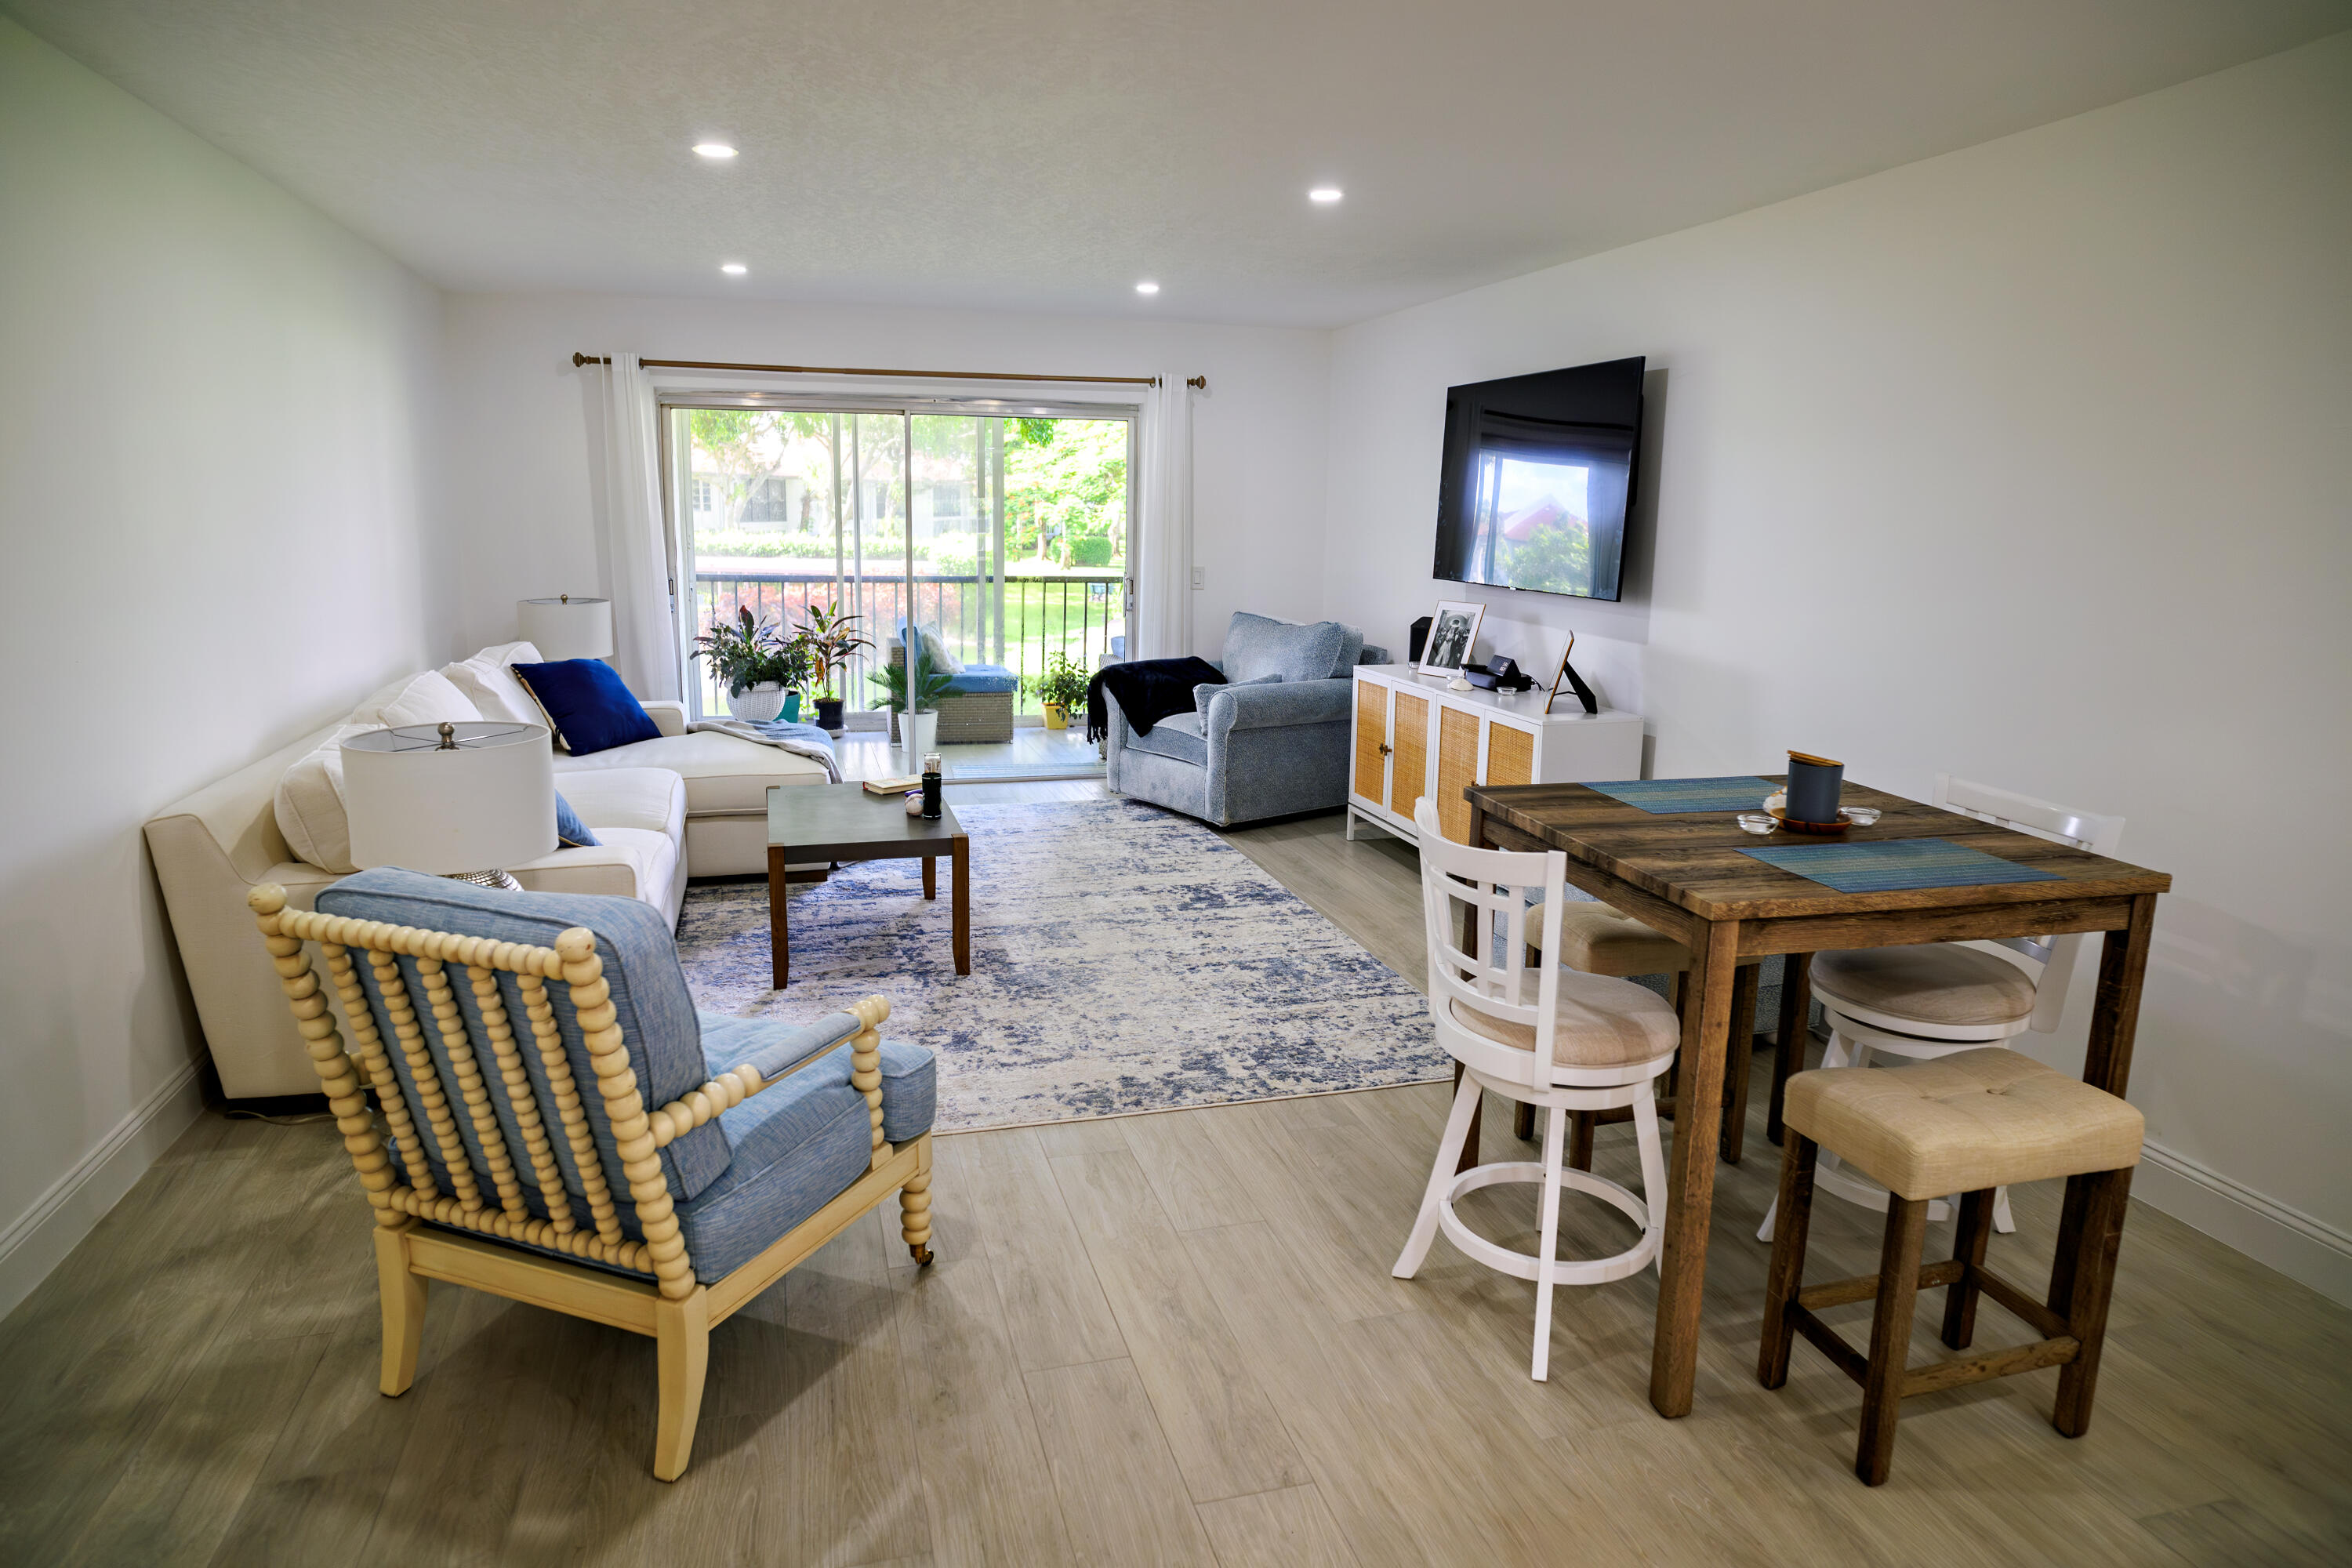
(301, 1121)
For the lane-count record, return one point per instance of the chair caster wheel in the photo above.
(922, 1256)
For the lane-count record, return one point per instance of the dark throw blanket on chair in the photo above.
(1147, 690)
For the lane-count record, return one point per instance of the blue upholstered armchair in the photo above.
(1271, 742)
(554, 1122)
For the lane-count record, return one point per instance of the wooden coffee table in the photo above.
(841, 822)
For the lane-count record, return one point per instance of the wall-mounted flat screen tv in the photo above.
(1538, 474)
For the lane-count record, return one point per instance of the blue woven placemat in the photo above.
(1663, 795)
(1898, 864)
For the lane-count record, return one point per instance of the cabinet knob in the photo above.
(1386, 750)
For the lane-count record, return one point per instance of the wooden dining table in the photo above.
(1685, 875)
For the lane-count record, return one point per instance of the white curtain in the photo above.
(636, 548)
(1164, 589)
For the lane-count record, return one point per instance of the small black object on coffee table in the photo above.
(841, 822)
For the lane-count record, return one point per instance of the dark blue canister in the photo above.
(1815, 784)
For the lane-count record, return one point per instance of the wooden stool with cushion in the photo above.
(1595, 939)
(1966, 1123)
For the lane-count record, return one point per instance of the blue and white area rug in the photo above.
(1123, 959)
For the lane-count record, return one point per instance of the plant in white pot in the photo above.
(915, 701)
(754, 663)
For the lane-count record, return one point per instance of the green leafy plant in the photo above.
(1061, 683)
(930, 685)
(828, 635)
(746, 652)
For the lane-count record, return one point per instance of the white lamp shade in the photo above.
(566, 627)
(486, 804)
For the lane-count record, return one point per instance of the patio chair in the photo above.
(495, 1165)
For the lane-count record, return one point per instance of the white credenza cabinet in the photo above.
(1413, 738)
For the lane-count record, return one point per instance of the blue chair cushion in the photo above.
(585, 699)
(1178, 736)
(797, 1144)
(981, 680)
(650, 1003)
(1260, 646)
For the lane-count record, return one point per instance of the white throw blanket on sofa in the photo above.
(800, 739)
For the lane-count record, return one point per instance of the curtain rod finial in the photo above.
(1199, 382)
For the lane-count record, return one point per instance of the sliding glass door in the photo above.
(1007, 533)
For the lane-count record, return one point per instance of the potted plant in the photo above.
(1062, 687)
(827, 637)
(753, 662)
(914, 690)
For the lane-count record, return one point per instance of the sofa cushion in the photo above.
(309, 804)
(493, 688)
(587, 705)
(429, 697)
(651, 799)
(1178, 736)
(1259, 645)
(648, 994)
(723, 772)
(627, 862)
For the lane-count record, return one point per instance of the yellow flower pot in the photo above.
(1056, 716)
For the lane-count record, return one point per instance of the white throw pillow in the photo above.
(936, 655)
(492, 687)
(430, 698)
(310, 804)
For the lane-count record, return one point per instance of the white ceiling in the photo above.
(1046, 154)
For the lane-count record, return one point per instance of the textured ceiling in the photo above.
(1041, 156)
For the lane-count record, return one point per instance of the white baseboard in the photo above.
(38, 1239)
(2268, 1232)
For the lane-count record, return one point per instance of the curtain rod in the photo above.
(578, 360)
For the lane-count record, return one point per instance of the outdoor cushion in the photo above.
(1989, 1118)
(979, 679)
(649, 999)
(586, 704)
(1600, 1023)
(1178, 736)
(1259, 645)
(1934, 984)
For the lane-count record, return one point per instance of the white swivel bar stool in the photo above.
(1933, 1000)
(1540, 1034)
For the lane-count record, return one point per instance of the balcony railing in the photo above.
(1074, 613)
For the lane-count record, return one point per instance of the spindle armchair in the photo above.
(487, 1166)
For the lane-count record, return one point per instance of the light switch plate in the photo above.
(1199, 577)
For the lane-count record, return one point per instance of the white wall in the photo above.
(2030, 463)
(218, 531)
(520, 468)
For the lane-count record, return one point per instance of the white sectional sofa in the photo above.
(687, 805)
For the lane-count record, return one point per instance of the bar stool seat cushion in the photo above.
(1601, 1023)
(1936, 984)
(1962, 1123)
(1598, 940)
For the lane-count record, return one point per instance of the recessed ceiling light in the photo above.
(1147, 287)
(733, 269)
(714, 149)
(1326, 194)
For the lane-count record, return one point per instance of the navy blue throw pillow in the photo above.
(569, 831)
(587, 704)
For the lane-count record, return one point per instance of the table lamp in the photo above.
(457, 800)
(566, 627)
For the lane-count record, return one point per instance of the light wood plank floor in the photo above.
(1168, 1339)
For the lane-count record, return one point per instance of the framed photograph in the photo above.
(1567, 673)
(1452, 631)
